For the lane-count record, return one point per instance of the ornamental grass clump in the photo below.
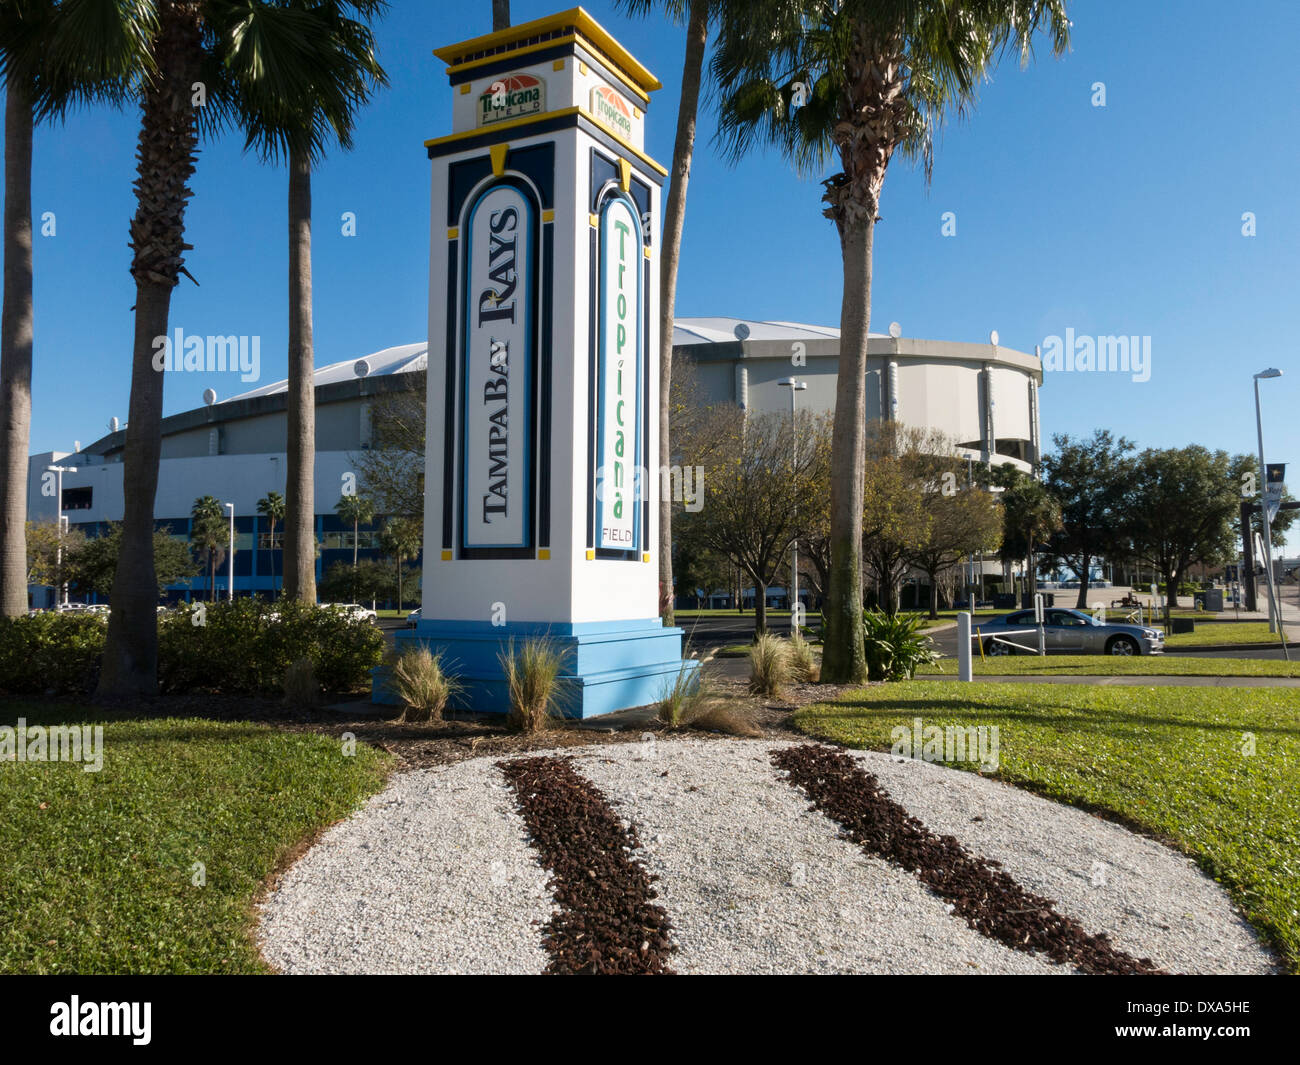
(803, 665)
(769, 665)
(532, 681)
(421, 685)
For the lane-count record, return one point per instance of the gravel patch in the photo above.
(436, 874)
(1151, 900)
(433, 875)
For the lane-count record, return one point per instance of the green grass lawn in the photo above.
(1167, 760)
(1109, 666)
(97, 868)
(1223, 633)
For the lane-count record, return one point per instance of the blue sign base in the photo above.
(609, 666)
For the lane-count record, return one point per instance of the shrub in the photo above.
(417, 679)
(803, 666)
(680, 696)
(245, 646)
(532, 678)
(51, 652)
(301, 689)
(769, 665)
(894, 645)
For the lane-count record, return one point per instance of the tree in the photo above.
(93, 563)
(391, 470)
(758, 490)
(207, 60)
(401, 539)
(1090, 481)
(896, 519)
(369, 581)
(1030, 516)
(858, 81)
(697, 14)
(359, 511)
(271, 507)
(292, 108)
(500, 15)
(52, 55)
(209, 535)
(41, 565)
(963, 521)
(1184, 506)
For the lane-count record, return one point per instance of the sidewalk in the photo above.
(1130, 681)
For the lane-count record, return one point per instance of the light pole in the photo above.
(795, 386)
(230, 596)
(1274, 607)
(59, 471)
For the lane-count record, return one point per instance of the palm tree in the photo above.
(401, 539)
(359, 511)
(52, 55)
(855, 82)
(698, 13)
(271, 507)
(207, 57)
(292, 110)
(210, 534)
(500, 15)
(1031, 515)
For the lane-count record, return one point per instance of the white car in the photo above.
(413, 617)
(353, 610)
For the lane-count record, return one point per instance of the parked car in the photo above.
(354, 610)
(413, 617)
(1067, 632)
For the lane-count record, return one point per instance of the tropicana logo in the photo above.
(511, 97)
(611, 110)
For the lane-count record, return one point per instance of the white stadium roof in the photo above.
(686, 331)
(401, 359)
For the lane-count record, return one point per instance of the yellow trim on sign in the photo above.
(575, 19)
(646, 251)
(645, 558)
(465, 88)
(620, 76)
(498, 153)
(453, 232)
(590, 554)
(548, 215)
(636, 112)
(446, 555)
(544, 554)
(594, 221)
(558, 65)
(625, 175)
(517, 123)
(582, 67)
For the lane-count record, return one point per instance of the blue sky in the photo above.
(1123, 219)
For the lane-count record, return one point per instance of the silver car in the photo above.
(1067, 632)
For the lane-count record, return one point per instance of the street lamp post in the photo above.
(59, 471)
(230, 591)
(1274, 607)
(794, 386)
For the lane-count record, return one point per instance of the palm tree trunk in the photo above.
(697, 35)
(166, 157)
(16, 351)
(300, 504)
(934, 594)
(500, 15)
(760, 608)
(356, 531)
(844, 660)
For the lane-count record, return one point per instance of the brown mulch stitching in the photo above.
(606, 922)
(988, 899)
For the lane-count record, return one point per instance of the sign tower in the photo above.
(541, 479)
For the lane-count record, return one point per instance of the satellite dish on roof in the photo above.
(741, 331)
(895, 330)
(361, 368)
(209, 396)
(993, 337)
